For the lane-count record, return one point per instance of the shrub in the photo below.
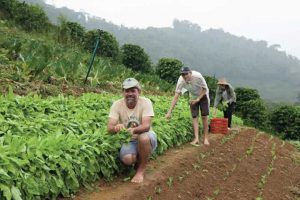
(135, 58)
(254, 113)
(7, 8)
(212, 86)
(31, 18)
(251, 108)
(168, 69)
(108, 45)
(70, 32)
(285, 120)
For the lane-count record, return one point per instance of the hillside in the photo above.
(244, 62)
(54, 139)
(247, 164)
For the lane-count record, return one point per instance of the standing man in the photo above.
(134, 113)
(194, 82)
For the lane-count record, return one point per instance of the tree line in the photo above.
(243, 61)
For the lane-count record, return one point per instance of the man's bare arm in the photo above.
(113, 126)
(143, 127)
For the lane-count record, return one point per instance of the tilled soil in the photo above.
(246, 164)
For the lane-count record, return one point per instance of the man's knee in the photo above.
(144, 139)
(204, 117)
(129, 159)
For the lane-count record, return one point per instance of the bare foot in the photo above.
(138, 178)
(206, 142)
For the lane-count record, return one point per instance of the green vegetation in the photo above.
(243, 61)
(251, 107)
(51, 144)
(286, 121)
(70, 32)
(168, 69)
(135, 58)
(62, 142)
(28, 17)
(108, 46)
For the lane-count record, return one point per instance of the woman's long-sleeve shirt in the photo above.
(225, 95)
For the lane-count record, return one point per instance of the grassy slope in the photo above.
(35, 62)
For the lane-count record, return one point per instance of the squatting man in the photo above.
(134, 113)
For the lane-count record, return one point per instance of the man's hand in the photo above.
(134, 135)
(193, 102)
(118, 127)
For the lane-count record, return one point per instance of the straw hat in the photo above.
(222, 81)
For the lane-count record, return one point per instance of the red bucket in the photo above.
(219, 125)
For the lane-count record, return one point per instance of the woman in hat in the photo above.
(225, 94)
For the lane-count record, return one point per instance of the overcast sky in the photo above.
(275, 21)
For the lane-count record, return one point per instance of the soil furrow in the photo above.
(230, 168)
(211, 169)
(287, 170)
(243, 182)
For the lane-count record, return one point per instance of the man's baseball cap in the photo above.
(130, 83)
(185, 70)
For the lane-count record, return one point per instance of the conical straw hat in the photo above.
(222, 81)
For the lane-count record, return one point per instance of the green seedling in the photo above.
(158, 190)
(170, 181)
(250, 150)
(180, 178)
(186, 172)
(271, 137)
(216, 191)
(196, 166)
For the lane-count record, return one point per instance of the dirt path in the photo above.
(246, 164)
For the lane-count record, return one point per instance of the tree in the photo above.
(31, 17)
(135, 58)
(251, 108)
(70, 32)
(186, 26)
(246, 94)
(7, 8)
(254, 113)
(108, 46)
(212, 86)
(168, 69)
(285, 120)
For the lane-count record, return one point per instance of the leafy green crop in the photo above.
(49, 147)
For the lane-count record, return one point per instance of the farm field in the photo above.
(247, 164)
(56, 91)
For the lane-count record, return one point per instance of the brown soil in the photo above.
(246, 164)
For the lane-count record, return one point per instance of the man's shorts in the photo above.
(203, 104)
(131, 147)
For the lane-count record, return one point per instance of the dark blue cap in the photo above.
(185, 70)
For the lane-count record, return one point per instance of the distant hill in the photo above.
(242, 61)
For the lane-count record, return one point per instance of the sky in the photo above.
(274, 21)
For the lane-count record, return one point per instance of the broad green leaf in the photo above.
(16, 193)
(6, 191)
